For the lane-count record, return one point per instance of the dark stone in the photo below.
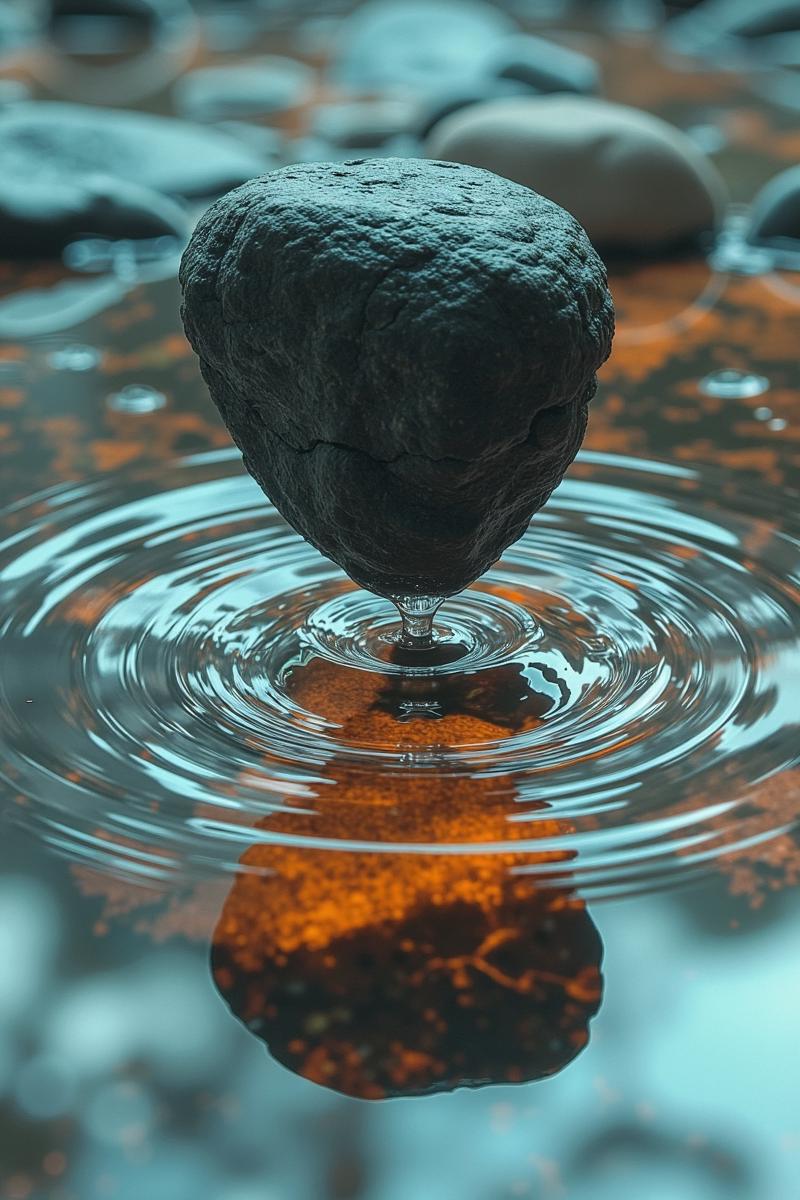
(39, 217)
(719, 26)
(43, 140)
(449, 100)
(775, 216)
(545, 66)
(404, 352)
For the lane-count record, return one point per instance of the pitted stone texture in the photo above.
(404, 351)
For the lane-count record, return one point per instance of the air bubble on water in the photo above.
(730, 384)
(777, 424)
(136, 398)
(762, 413)
(75, 357)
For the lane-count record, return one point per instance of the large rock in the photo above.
(404, 352)
(634, 182)
(70, 141)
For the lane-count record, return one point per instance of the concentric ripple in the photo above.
(182, 676)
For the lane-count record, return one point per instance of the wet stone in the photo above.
(404, 351)
(417, 44)
(634, 182)
(775, 216)
(545, 66)
(73, 141)
(261, 86)
(41, 215)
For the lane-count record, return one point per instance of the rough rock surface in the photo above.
(40, 139)
(40, 216)
(775, 216)
(404, 351)
(634, 182)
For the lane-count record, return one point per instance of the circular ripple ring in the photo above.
(181, 676)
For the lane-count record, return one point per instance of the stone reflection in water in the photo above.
(384, 974)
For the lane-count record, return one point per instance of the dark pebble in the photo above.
(404, 352)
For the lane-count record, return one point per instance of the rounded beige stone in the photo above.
(634, 182)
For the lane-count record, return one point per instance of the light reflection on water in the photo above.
(209, 674)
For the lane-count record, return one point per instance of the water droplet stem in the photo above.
(417, 614)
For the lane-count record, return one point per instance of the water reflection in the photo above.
(396, 974)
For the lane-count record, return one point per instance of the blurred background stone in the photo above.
(634, 182)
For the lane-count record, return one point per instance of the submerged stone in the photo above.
(404, 352)
(634, 182)
(41, 140)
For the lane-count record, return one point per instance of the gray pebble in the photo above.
(417, 44)
(545, 66)
(444, 102)
(40, 216)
